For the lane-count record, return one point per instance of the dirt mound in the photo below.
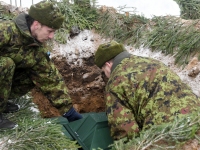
(84, 83)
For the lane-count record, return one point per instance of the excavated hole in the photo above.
(85, 84)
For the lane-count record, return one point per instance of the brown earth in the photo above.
(85, 85)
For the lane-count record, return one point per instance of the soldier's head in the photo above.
(47, 19)
(105, 54)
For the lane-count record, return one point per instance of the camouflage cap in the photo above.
(107, 51)
(47, 13)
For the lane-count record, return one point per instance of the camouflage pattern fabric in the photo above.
(142, 92)
(24, 63)
(7, 68)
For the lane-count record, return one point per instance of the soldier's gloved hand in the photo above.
(72, 115)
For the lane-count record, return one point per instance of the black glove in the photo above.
(72, 115)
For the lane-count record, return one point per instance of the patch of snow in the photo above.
(79, 47)
(3, 143)
(33, 109)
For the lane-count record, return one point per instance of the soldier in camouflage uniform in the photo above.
(24, 61)
(140, 92)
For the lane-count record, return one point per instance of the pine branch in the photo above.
(173, 133)
(126, 29)
(173, 36)
(190, 9)
(34, 132)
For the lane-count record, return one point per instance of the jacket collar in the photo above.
(21, 23)
(117, 60)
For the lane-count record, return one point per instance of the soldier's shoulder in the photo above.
(6, 23)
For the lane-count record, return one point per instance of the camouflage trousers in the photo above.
(14, 82)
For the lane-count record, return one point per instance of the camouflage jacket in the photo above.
(142, 92)
(18, 44)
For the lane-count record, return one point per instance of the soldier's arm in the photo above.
(47, 77)
(121, 119)
(5, 33)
